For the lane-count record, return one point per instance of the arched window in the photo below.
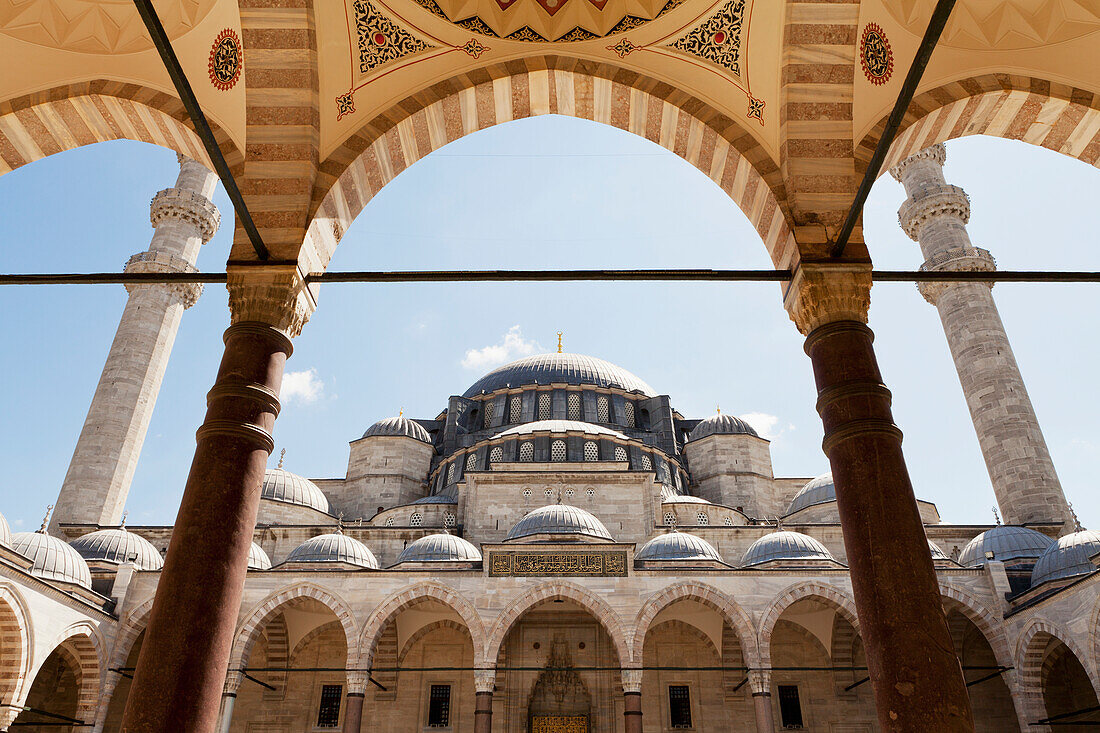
(389, 521)
(647, 462)
(450, 472)
(527, 452)
(629, 417)
(643, 419)
(471, 461)
(620, 454)
(471, 419)
(515, 409)
(574, 406)
(449, 520)
(488, 414)
(591, 451)
(603, 410)
(416, 519)
(557, 450)
(702, 518)
(729, 521)
(527, 493)
(670, 519)
(496, 455)
(544, 405)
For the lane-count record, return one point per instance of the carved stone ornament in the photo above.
(962, 259)
(232, 682)
(931, 202)
(357, 681)
(760, 680)
(632, 680)
(273, 294)
(179, 203)
(485, 680)
(934, 153)
(165, 262)
(824, 293)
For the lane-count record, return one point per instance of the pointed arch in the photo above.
(843, 603)
(1030, 652)
(255, 621)
(130, 629)
(16, 643)
(424, 631)
(979, 615)
(83, 648)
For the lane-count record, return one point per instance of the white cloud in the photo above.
(763, 423)
(18, 522)
(511, 346)
(304, 386)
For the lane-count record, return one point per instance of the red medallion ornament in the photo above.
(875, 55)
(226, 60)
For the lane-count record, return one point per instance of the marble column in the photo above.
(1016, 455)
(353, 708)
(182, 666)
(229, 700)
(760, 682)
(916, 676)
(106, 454)
(484, 684)
(632, 700)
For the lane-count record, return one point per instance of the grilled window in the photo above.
(449, 520)
(450, 473)
(679, 706)
(439, 706)
(702, 518)
(488, 414)
(790, 710)
(527, 452)
(515, 410)
(496, 455)
(328, 714)
(557, 450)
(416, 519)
(629, 418)
(670, 518)
(591, 451)
(620, 454)
(471, 461)
(603, 411)
(574, 406)
(647, 462)
(544, 406)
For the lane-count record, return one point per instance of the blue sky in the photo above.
(549, 192)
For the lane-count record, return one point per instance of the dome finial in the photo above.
(339, 523)
(718, 408)
(282, 455)
(122, 524)
(559, 342)
(46, 519)
(401, 412)
(996, 516)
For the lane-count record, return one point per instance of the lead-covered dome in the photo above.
(1070, 556)
(439, 548)
(5, 532)
(721, 425)
(820, 490)
(117, 546)
(1007, 542)
(678, 546)
(560, 520)
(574, 369)
(561, 426)
(785, 545)
(257, 558)
(52, 559)
(401, 427)
(335, 547)
(282, 485)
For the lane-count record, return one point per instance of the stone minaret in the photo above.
(107, 451)
(1016, 455)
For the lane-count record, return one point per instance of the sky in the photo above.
(544, 193)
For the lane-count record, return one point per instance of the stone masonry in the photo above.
(106, 454)
(1016, 455)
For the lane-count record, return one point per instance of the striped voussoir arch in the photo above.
(423, 631)
(80, 646)
(15, 653)
(34, 126)
(1031, 651)
(397, 138)
(840, 600)
(1054, 116)
(977, 613)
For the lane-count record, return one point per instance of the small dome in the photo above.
(436, 499)
(785, 545)
(721, 425)
(336, 547)
(52, 559)
(1068, 557)
(257, 558)
(574, 369)
(401, 427)
(118, 546)
(937, 553)
(678, 546)
(683, 499)
(821, 490)
(5, 532)
(439, 548)
(559, 519)
(562, 426)
(282, 485)
(1007, 542)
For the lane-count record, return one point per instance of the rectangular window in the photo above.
(679, 706)
(328, 714)
(790, 710)
(439, 706)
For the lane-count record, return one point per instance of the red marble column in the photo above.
(916, 676)
(762, 709)
(353, 712)
(632, 712)
(483, 713)
(182, 666)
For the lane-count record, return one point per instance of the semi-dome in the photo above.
(257, 558)
(820, 490)
(721, 425)
(282, 485)
(561, 426)
(1007, 542)
(1068, 557)
(5, 532)
(683, 499)
(785, 545)
(436, 499)
(439, 548)
(116, 545)
(678, 546)
(559, 519)
(335, 547)
(401, 427)
(574, 369)
(52, 559)
(937, 553)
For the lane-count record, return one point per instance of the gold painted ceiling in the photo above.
(548, 20)
(1003, 24)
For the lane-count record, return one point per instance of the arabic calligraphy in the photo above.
(521, 564)
(559, 724)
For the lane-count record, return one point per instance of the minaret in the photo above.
(1016, 455)
(102, 467)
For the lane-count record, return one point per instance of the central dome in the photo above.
(574, 369)
(559, 519)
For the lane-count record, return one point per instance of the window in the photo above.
(647, 463)
(569, 493)
(574, 406)
(603, 412)
(515, 410)
(557, 450)
(670, 518)
(790, 711)
(620, 454)
(629, 414)
(488, 414)
(591, 451)
(496, 455)
(702, 518)
(729, 521)
(439, 706)
(589, 492)
(450, 473)
(548, 492)
(389, 521)
(527, 452)
(544, 406)
(416, 519)
(527, 493)
(449, 520)
(328, 714)
(679, 706)
(471, 461)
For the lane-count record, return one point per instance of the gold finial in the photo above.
(996, 516)
(282, 455)
(46, 519)
(401, 412)
(122, 524)
(719, 408)
(559, 342)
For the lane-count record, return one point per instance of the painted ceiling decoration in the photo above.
(718, 38)
(875, 55)
(226, 60)
(380, 39)
(1003, 24)
(545, 21)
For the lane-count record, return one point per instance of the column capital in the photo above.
(485, 680)
(192, 207)
(821, 293)
(233, 680)
(632, 680)
(760, 681)
(275, 294)
(959, 259)
(357, 681)
(165, 262)
(936, 154)
(931, 202)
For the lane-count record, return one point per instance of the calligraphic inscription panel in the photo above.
(524, 564)
(559, 724)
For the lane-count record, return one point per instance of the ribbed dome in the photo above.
(282, 485)
(818, 491)
(1068, 557)
(439, 548)
(52, 559)
(683, 499)
(118, 546)
(436, 499)
(562, 426)
(937, 553)
(257, 558)
(400, 427)
(678, 546)
(785, 545)
(336, 547)
(5, 532)
(559, 519)
(721, 425)
(560, 369)
(1007, 542)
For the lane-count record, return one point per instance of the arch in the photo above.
(843, 603)
(16, 639)
(1029, 664)
(82, 646)
(707, 595)
(429, 119)
(250, 630)
(50, 121)
(565, 590)
(398, 602)
(129, 630)
(684, 627)
(979, 615)
(425, 630)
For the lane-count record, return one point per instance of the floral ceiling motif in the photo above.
(542, 21)
(380, 39)
(718, 38)
(1003, 24)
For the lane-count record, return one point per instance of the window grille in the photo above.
(620, 454)
(589, 492)
(489, 414)
(549, 492)
(603, 413)
(328, 713)
(471, 461)
(557, 450)
(629, 409)
(389, 521)
(496, 455)
(439, 706)
(647, 462)
(544, 406)
(729, 521)
(591, 451)
(679, 706)
(574, 406)
(450, 473)
(790, 709)
(416, 519)
(515, 409)
(670, 518)
(527, 452)
(569, 493)
(527, 493)
(702, 518)
(449, 520)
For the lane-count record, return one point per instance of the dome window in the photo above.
(389, 521)
(548, 491)
(496, 455)
(620, 454)
(569, 493)
(527, 452)
(590, 492)
(416, 520)
(515, 410)
(647, 462)
(449, 520)
(591, 451)
(729, 521)
(527, 493)
(702, 518)
(670, 519)
(450, 473)
(603, 411)
(489, 414)
(557, 450)
(629, 417)
(544, 406)
(574, 406)
(471, 462)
